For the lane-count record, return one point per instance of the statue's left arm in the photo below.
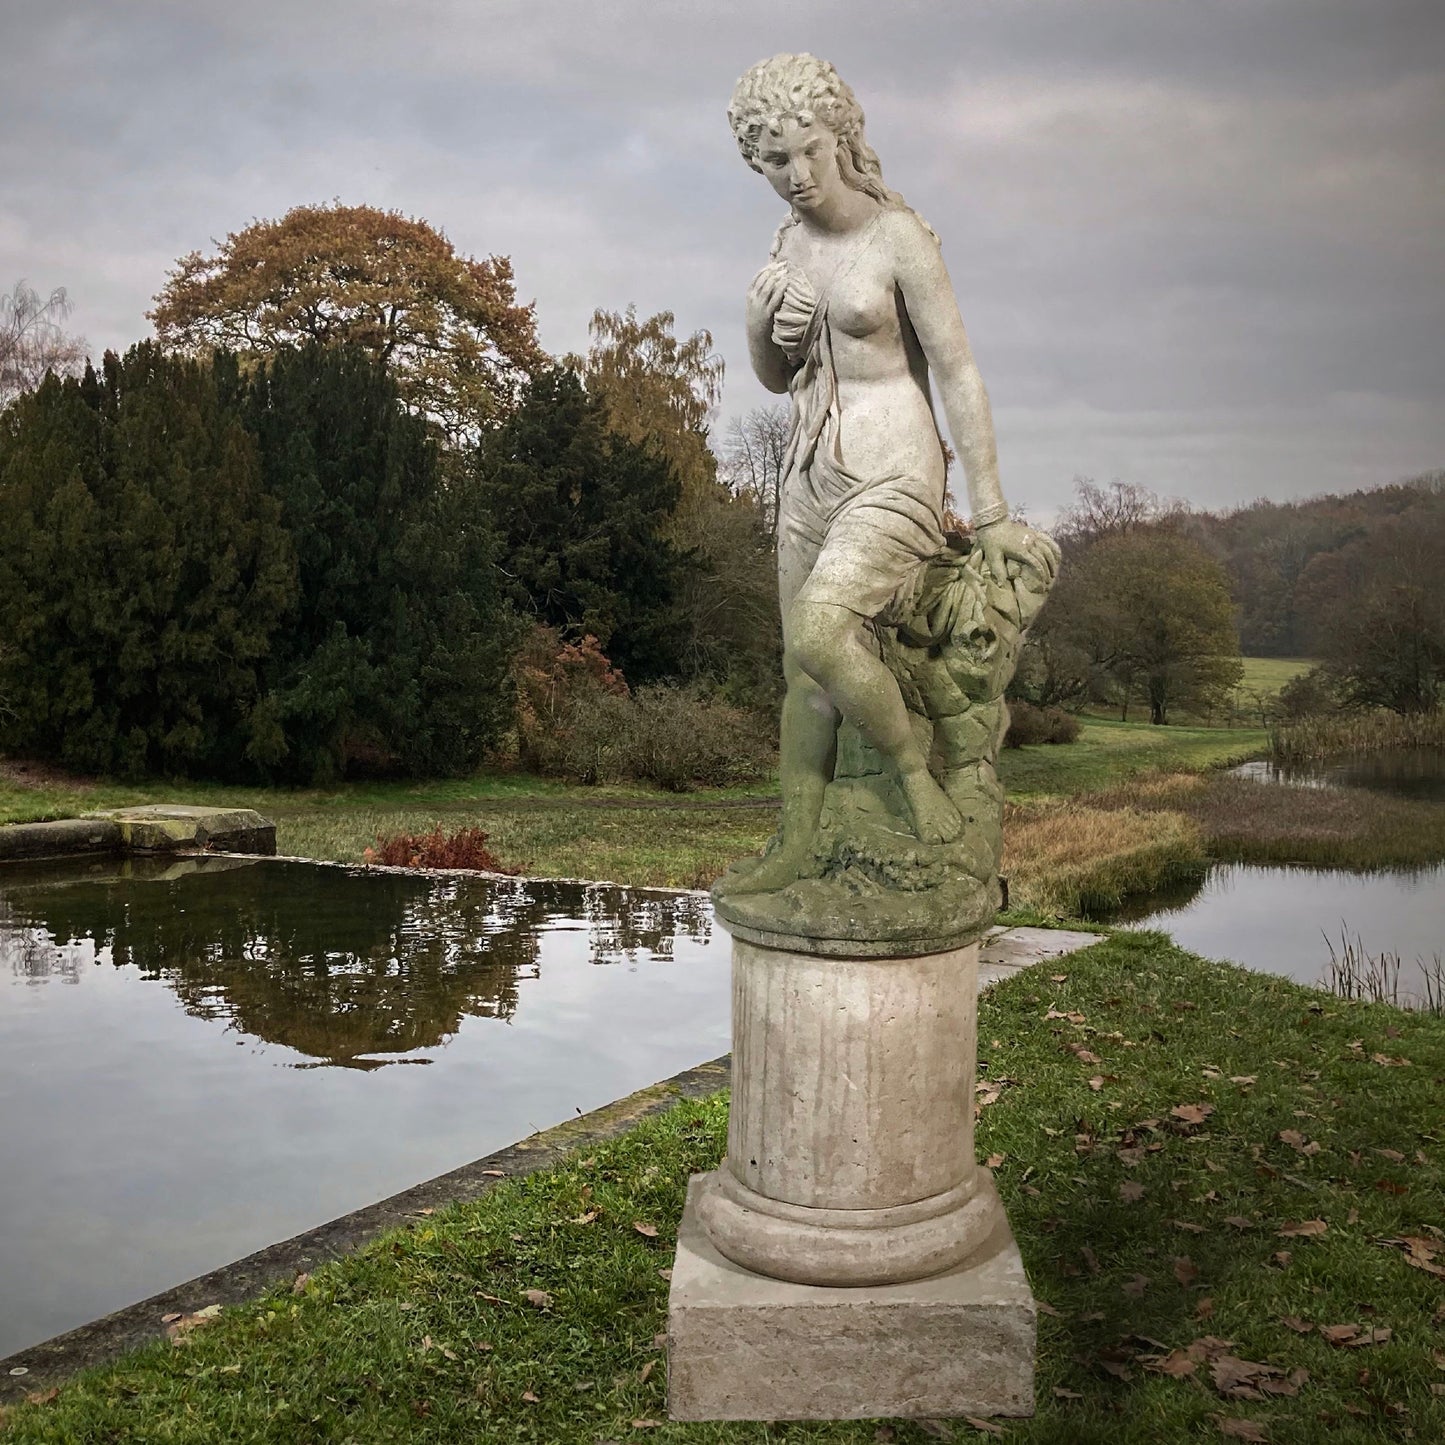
(932, 309)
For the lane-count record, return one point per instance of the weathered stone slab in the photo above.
(742, 1346)
(164, 827)
(63, 838)
(1005, 951)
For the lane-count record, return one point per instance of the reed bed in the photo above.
(1363, 977)
(1317, 739)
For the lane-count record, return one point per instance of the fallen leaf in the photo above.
(1177, 1364)
(646, 1230)
(994, 1160)
(585, 1218)
(1186, 1225)
(647, 1424)
(665, 1274)
(646, 1370)
(1131, 1192)
(1304, 1229)
(1058, 978)
(1393, 1155)
(1045, 1308)
(1073, 1017)
(530, 1398)
(538, 1298)
(494, 1173)
(1238, 1221)
(1249, 1430)
(1062, 1394)
(42, 1397)
(1185, 1270)
(1244, 1079)
(1135, 1286)
(1338, 1334)
(1191, 1113)
(1293, 1322)
(298, 1285)
(1204, 1310)
(1281, 1257)
(885, 1435)
(986, 1426)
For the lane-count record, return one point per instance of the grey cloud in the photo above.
(1196, 246)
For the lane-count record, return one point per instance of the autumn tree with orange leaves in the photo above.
(448, 327)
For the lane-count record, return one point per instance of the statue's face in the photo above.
(801, 164)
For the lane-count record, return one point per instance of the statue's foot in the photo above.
(784, 865)
(935, 819)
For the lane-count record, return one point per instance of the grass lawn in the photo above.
(1267, 675)
(1230, 1215)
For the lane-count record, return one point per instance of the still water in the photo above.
(1404, 772)
(201, 1059)
(1283, 920)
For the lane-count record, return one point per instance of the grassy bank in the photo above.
(1219, 1216)
(1087, 854)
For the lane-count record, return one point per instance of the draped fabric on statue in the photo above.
(853, 541)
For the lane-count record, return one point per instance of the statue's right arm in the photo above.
(765, 295)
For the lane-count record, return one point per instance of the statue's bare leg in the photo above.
(807, 750)
(830, 671)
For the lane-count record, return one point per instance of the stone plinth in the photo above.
(850, 1137)
(850, 1259)
(742, 1346)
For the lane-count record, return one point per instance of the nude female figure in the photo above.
(849, 317)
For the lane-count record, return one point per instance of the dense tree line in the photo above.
(242, 575)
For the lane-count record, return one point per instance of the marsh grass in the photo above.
(1318, 739)
(1355, 973)
(1143, 1232)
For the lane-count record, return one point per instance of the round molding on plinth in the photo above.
(846, 1247)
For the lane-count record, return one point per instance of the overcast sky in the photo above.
(1199, 247)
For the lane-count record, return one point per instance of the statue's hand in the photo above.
(1009, 545)
(765, 295)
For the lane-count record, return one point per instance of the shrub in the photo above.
(466, 848)
(1029, 725)
(1310, 694)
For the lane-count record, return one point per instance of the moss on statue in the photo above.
(872, 888)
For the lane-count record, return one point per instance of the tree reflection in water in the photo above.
(341, 965)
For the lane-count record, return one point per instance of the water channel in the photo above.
(1289, 920)
(199, 1060)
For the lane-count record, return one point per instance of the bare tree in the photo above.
(32, 341)
(1098, 512)
(752, 459)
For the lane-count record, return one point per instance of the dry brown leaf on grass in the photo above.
(1393, 1155)
(1303, 1229)
(1131, 1192)
(585, 1218)
(647, 1424)
(1185, 1270)
(665, 1274)
(1249, 1430)
(1293, 1322)
(494, 1173)
(42, 1397)
(645, 1371)
(1177, 1364)
(298, 1285)
(1187, 1226)
(1238, 1221)
(1191, 1113)
(1135, 1286)
(537, 1298)
(1072, 1016)
(646, 1230)
(1419, 1253)
(183, 1325)
(1204, 1310)
(994, 1160)
(987, 1427)
(1354, 1337)
(1062, 1394)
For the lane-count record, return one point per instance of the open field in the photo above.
(1253, 1169)
(1268, 674)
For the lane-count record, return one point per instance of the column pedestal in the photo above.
(850, 1259)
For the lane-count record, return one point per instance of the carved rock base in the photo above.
(743, 1346)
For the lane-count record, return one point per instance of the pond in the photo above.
(1404, 772)
(1286, 919)
(200, 1059)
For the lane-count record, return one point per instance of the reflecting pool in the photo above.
(200, 1058)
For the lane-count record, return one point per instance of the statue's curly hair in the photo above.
(806, 89)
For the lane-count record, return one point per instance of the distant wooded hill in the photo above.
(1289, 563)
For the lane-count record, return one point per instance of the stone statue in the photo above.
(849, 1258)
(899, 638)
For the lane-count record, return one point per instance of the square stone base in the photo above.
(744, 1347)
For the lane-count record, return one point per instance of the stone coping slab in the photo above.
(152, 828)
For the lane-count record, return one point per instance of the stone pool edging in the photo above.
(152, 828)
(54, 1360)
